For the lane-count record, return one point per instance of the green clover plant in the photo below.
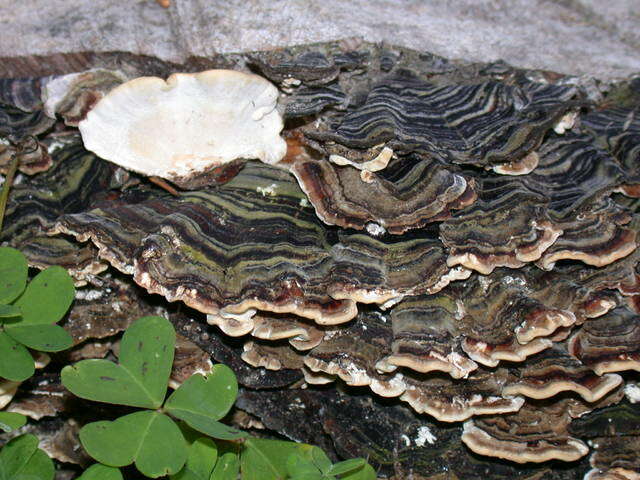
(98, 471)
(11, 421)
(150, 438)
(29, 313)
(21, 458)
(157, 445)
(276, 459)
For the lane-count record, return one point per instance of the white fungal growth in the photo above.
(375, 229)
(425, 436)
(267, 191)
(187, 125)
(632, 392)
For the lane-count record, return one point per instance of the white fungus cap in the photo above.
(187, 125)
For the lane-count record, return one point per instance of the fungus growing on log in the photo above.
(443, 242)
(187, 126)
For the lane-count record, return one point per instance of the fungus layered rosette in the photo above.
(459, 239)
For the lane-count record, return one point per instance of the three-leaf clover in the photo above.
(150, 438)
(11, 421)
(315, 465)
(29, 313)
(22, 459)
(263, 459)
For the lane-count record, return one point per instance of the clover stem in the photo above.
(8, 181)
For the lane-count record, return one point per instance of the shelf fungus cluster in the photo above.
(459, 238)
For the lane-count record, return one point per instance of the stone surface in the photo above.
(569, 36)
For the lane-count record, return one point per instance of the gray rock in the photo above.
(568, 36)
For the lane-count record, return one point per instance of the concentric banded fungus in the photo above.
(618, 130)
(444, 166)
(556, 212)
(553, 371)
(301, 334)
(73, 96)
(351, 352)
(15, 124)
(575, 175)
(290, 70)
(418, 192)
(81, 261)
(533, 434)
(195, 249)
(310, 101)
(424, 337)
(18, 130)
(614, 434)
(77, 180)
(187, 128)
(36, 159)
(23, 93)
(271, 357)
(448, 401)
(485, 124)
(598, 236)
(610, 343)
(504, 321)
(507, 226)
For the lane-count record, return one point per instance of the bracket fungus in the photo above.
(187, 126)
(446, 241)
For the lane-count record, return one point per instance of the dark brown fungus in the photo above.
(479, 394)
(451, 122)
(507, 226)
(188, 360)
(533, 434)
(614, 435)
(553, 371)
(212, 250)
(72, 96)
(425, 337)
(412, 193)
(271, 357)
(610, 343)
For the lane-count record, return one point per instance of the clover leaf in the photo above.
(13, 274)
(150, 438)
(29, 313)
(313, 464)
(11, 421)
(228, 463)
(201, 460)
(98, 471)
(192, 402)
(141, 377)
(263, 459)
(21, 458)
